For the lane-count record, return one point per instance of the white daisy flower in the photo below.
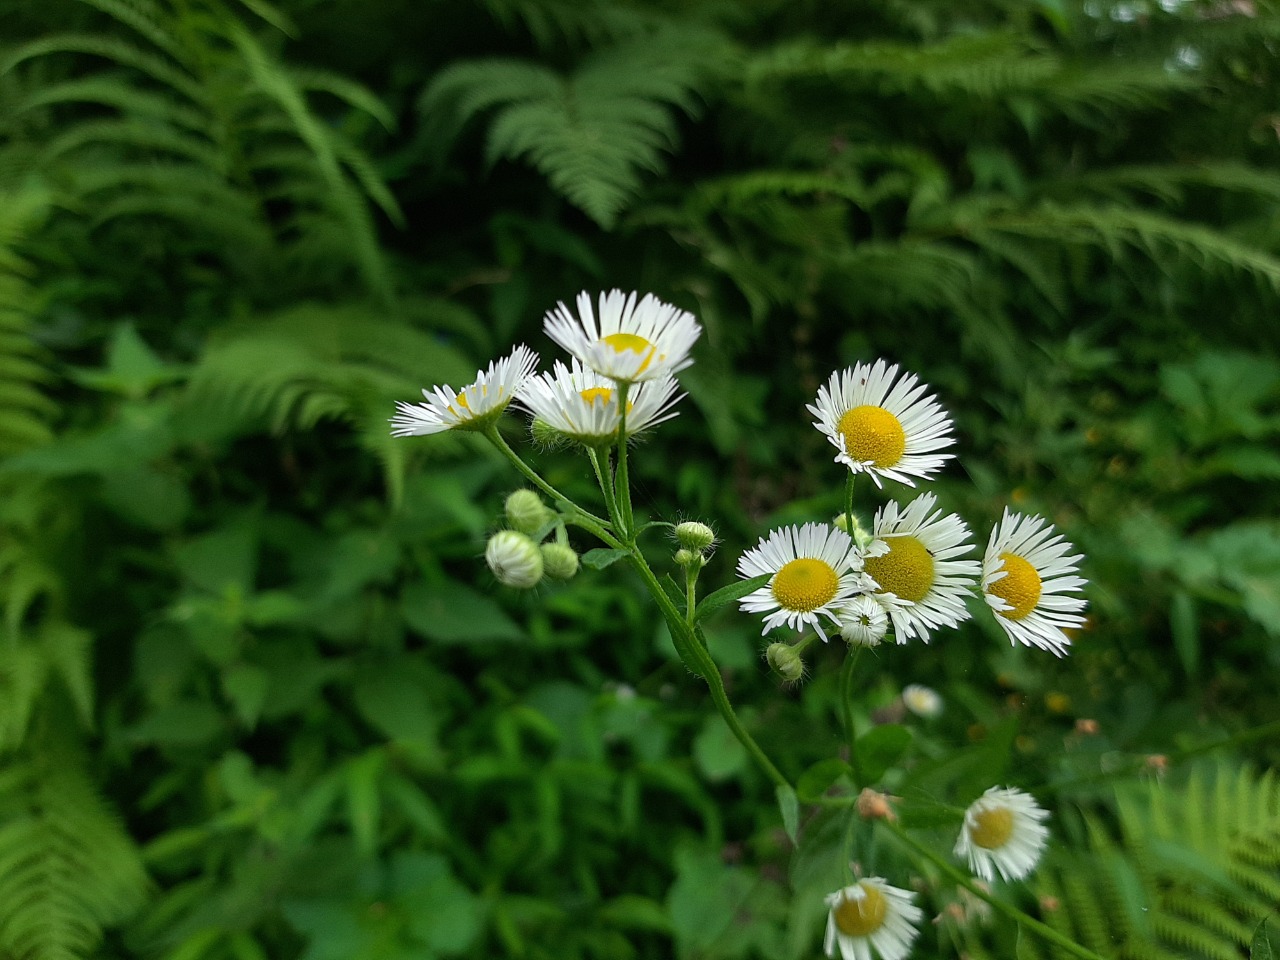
(1003, 833)
(473, 407)
(863, 621)
(921, 700)
(882, 425)
(1028, 580)
(583, 405)
(814, 569)
(871, 915)
(917, 575)
(629, 341)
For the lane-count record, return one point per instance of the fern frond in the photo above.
(345, 89)
(552, 21)
(110, 91)
(145, 18)
(1169, 182)
(67, 868)
(592, 133)
(1154, 234)
(25, 411)
(114, 49)
(139, 135)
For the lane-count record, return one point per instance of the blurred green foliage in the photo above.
(258, 695)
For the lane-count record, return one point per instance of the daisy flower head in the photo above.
(1003, 833)
(863, 621)
(813, 570)
(583, 405)
(916, 572)
(882, 424)
(871, 915)
(628, 341)
(921, 700)
(1029, 580)
(474, 407)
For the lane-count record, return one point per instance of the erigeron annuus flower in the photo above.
(814, 569)
(918, 578)
(1003, 833)
(514, 559)
(921, 700)
(863, 621)
(583, 405)
(474, 407)
(871, 915)
(883, 425)
(1028, 580)
(629, 341)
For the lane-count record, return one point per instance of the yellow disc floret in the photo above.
(873, 435)
(603, 394)
(805, 584)
(992, 828)
(860, 918)
(1019, 587)
(906, 570)
(629, 341)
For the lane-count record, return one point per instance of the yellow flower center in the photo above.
(906, 570)
(805, 584)
(993, 828)
(861, 918)
(603, 394)
(1019, 587)
(873, 434)
(630, 341)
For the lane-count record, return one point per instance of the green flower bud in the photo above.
(526, 512)
(559, 561)
(862, 537)
(546, 436)
(689, 558)
(695, 536)
(786, 662)
(514, 559)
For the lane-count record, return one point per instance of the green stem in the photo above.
(848, 504)
(605, 479)
(846, 709)
(1041, 929)
(623, 484)
(690, 592)
(582, 518)
(696, 657)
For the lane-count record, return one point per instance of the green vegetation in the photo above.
(260, 696)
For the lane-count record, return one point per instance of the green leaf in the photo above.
(364, 804)
(727, 595)
(601, 557)
(1261, 947)
(880, 748)
(455, 614)
(132, 367)
(634, 912)
(717, 751)
(245, 685)
(789, 808)
(1185, 627)
(815, 781)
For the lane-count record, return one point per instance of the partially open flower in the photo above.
(474, 407)
(1003, 833)
(871, 915)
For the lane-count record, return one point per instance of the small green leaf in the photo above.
(880, 748)
(1185, 629)
(813, 783)
(454, 613)
(634, 912)
(245, 685)
(717, 751)
(601, 557)
(789, 807)
(727, 595)
(1262, 946)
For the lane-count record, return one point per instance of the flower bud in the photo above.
(692, 535)
(863, 622)
(514, 559)
(559, 561)
(786, 662)
(689, 558)
(862, 537)
(545, 435)
(526, 512)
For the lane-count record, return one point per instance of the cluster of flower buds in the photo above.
(517, 556)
